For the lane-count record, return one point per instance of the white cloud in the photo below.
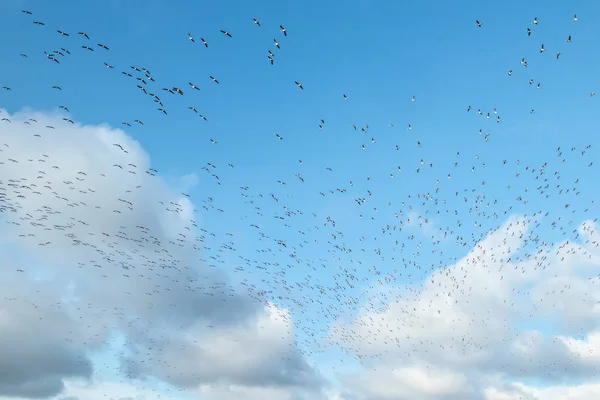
(97, 246)
(519, 391)
(494, 318)
(587, 349)
(388, 382)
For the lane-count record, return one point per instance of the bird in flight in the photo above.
(225, 33)
(256, 22)
(299, 85)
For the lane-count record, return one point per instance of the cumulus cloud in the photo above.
(98, 246)
(505, 313)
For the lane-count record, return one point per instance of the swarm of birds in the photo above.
(315, 262)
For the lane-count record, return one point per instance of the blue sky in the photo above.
(378, 54)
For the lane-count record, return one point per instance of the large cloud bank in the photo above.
(501, 324)
(102, 256)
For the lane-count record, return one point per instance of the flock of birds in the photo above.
(315, 264)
